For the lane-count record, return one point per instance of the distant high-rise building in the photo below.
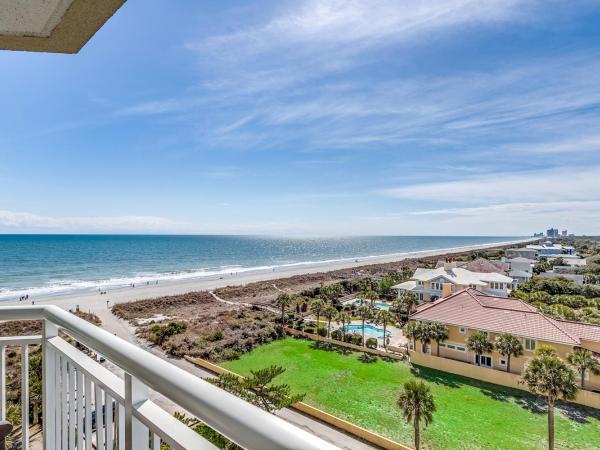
(552, 232)
(564, 233)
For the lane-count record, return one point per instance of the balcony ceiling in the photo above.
(57, 26)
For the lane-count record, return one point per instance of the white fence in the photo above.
(87, 406)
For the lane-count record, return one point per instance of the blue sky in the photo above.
(452, 117)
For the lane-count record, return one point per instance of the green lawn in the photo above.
(470, 414)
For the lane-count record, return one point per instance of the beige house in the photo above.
(432, 284)
(470, 310)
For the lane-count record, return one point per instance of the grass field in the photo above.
(470, 414)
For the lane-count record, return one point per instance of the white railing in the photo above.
(87, 406)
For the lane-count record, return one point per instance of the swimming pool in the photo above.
(369, 329)
(378, 305)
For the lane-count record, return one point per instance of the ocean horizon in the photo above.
(54, 264)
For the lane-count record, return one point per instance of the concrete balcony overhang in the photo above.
(55, 26)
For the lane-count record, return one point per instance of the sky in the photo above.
(310, 117)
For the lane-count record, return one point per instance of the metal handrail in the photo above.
(243, 423)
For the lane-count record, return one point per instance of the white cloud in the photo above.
(550, 185)
(25, 220)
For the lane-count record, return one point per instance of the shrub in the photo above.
(354, 338)
(160, 333)
(322, 331)
(367, 358)
(310, 330)
(371, 342)
(216, 336)
(337, 335)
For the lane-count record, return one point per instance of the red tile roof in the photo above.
(474, 309)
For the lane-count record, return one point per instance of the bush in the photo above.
(337, 335)
(371, 342)
(160, 333)
(367, 358)
(354, 338)
(322, 331)
(310, 330)
(216, 336)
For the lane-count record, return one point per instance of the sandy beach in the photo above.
(93, 301)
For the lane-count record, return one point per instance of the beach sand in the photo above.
(95, 302)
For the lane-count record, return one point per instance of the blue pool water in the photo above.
(377, 305)
(369, 329)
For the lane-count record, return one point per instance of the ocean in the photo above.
(56, 264)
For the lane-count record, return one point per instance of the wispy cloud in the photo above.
(140, 224)
(551, 185)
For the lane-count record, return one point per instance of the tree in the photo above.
(479, 344)
(365, 313)
(383, 317)
(316, 306)
(409, 300)
(258, 388)
(344, 318)
(329, 312)
(370, 295)
(583, 360)
(283, 301)
(416, 403)
(550, 377)
(426, 335)
(509, 345)
(439, 332)
(412, 330)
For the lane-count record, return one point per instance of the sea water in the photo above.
(55, 264)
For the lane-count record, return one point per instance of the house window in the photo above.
(442, 345)
(411, 346)
(484, 361)
(462, 330)
(420, 296)
(503, 362)
(529, 344)
(419, 283)
(460, 349)
(436, 286)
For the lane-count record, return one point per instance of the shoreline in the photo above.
(92, 301)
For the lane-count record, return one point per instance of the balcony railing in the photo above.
(85, 406)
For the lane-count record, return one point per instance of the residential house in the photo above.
(521, 269)
(551, 249)
(579, 279)
(432, 284)
(521, 252)
(481, 265)
(470, 310)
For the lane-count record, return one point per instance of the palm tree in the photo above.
(364, 312)
(416, 403)
(409, 300)
(479, 344)
(550, 377)
(344, 318)
(383, 317)
(509, 345)
(412, 330)
(369, 294)
(316, 306)
(583, 360)
(426, 335)
(439, 332)
(329, 312)
(283, 301)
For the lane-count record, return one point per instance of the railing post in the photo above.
(48, 392)
(2, 382)
(136, 434)
(25, 396)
